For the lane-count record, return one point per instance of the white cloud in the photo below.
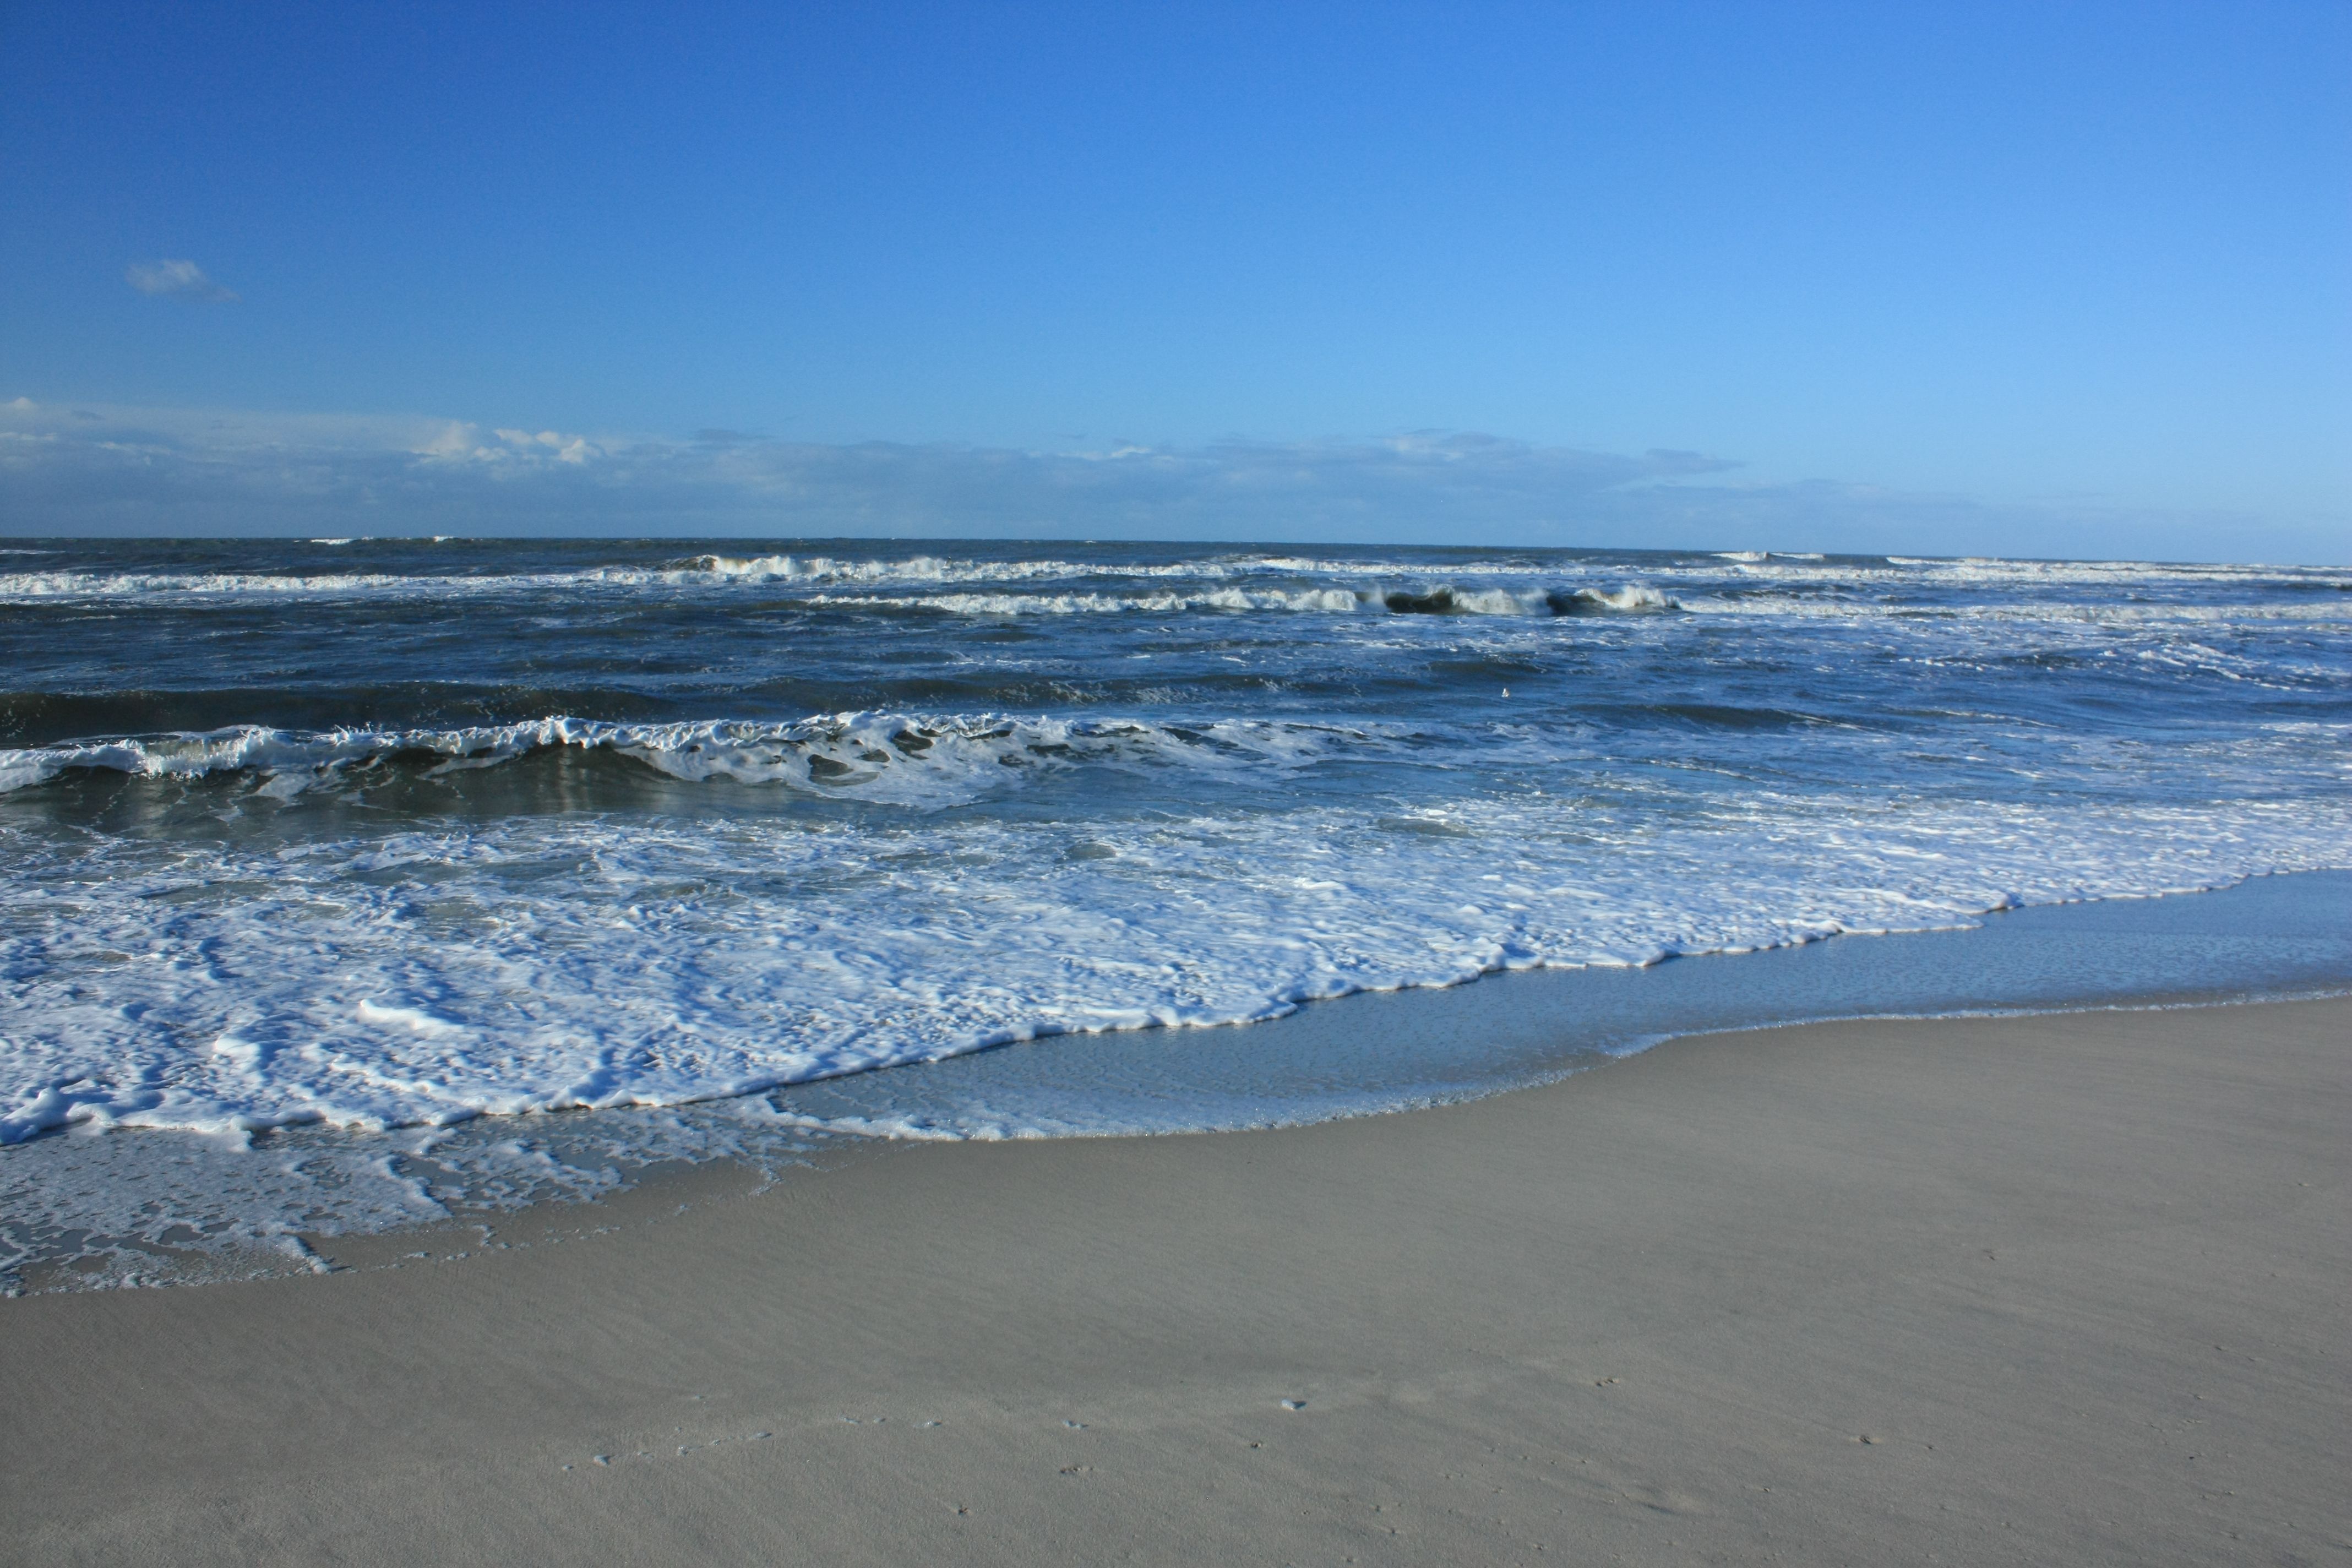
(463, 443)
(102, 469)
(180, 279)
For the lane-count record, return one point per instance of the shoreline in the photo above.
(2052, 1287)
(2282, 936)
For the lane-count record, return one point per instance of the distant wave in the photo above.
(1443, 600)
(1220, 592)
(1057, 584)
(689, 572)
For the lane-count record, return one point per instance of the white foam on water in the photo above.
(1312, 601)
(546, 962)
(903, 758)
(129, 1208)
(696, 572)
(997, 586)
(1631, 599)
(1760, 605)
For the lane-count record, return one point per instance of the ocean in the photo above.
(333, 867)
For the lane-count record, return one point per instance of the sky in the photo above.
(1965, 279)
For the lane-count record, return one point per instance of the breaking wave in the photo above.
(979, 588)
(917, 760)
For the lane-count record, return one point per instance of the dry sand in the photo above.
(2054, 1290)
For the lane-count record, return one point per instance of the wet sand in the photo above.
(2063, 1288)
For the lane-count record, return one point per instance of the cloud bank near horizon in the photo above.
(104, 470)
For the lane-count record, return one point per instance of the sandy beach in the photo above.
(2057, 1288)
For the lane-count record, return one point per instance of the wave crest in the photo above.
(897, 758)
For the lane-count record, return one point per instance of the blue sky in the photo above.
(2037, 279)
